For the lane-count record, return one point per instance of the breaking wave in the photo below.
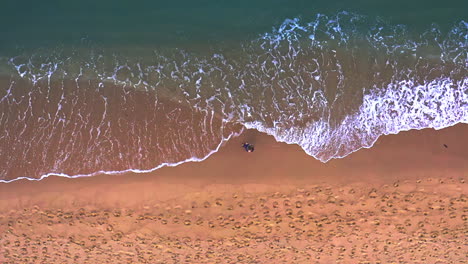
(332, 85)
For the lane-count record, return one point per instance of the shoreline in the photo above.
(252, 133)
(401, 199)
(428, 144)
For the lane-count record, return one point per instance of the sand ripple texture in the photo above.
(409, 222)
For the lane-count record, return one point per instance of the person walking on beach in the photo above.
(248, 147)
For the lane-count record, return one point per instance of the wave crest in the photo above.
(332, 85)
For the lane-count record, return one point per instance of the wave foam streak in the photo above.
(68, 128)
(332, 85)
(343, 81)
(402, 107)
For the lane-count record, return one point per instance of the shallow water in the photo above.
(88, 89)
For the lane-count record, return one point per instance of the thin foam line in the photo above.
(192, 159)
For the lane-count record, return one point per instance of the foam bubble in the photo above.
(332, 85)
(396, 81)
(400, 107)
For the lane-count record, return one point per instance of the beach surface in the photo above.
(402, 201)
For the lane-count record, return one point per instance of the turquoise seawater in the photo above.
(39, 23)
(95, 87)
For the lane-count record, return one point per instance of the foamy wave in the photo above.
(332, 85)
(400, 107)
(383, 80)
(119, 172)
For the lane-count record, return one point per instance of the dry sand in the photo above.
(402, 201)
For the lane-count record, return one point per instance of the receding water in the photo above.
(92, 88)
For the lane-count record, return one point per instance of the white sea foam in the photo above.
(400, 107)
(119, 172)
(332, 85)
(427, 90)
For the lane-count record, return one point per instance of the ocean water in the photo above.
(110, 87)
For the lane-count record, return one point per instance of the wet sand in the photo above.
(402, 201)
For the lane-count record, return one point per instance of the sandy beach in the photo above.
(122, 126)
(402, 201)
